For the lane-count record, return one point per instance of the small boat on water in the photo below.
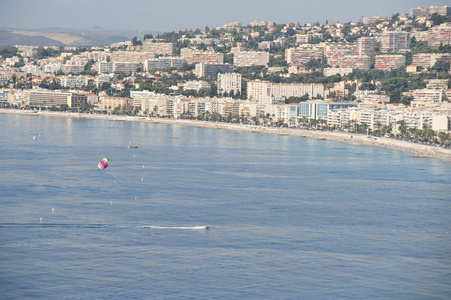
(130, 146)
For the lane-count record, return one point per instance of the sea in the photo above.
(288, 217)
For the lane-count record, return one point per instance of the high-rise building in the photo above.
(229, 82)
(365, 45)
(440, 35)
(394, 41)
(104, 67)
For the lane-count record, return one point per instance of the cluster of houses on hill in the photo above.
(115, 77)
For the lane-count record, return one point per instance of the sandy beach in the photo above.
(418, 150)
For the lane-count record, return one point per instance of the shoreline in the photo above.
(419, 150)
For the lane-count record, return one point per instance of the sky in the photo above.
(174, 15)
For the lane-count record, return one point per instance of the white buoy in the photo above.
(136, 197)
(142, 179)
(53, 211)
(40, 220)
(111, 202)
(143, 166)
(134, 155)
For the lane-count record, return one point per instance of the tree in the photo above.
(8, 51)
(441, 66)
(135, 42)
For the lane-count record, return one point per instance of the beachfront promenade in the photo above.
(418, 150)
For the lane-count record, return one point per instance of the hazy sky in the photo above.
(169, 15)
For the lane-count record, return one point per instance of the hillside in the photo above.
(65, 37)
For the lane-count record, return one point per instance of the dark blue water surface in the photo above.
(290, 218)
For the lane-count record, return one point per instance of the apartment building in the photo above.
(320, 109)
(373, 118)
(229, 82)
(211, 70)
(250, 58)
(302, 56)
(394, 41)
(52, 67)
(305, 38)
(163, 63)
(31, 69)
(158, 48)
(440, 35)
(259, 91)
(53, 98)
(334, 71)
(71, 81)
(335, 56)
(196, 85)
(375, 19)
(361, 62)
(104, 78)
(113, 102)
(124, 67)
(193, 56)
(427, 95)
(287, 90)
(338, 118)
(265, 45)
(4, 96)
(131, 56)
(427, 11)
(389, 62)
(428, 60)
(72, 69)
(267, 93)
(437, 84)
(3, 78)
(104, 67)
(365, 45)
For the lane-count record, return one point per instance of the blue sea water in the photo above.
(290, 218)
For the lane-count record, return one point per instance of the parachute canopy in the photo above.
(104, 163)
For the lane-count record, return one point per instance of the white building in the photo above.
(104, 67)
(71, 81)
(427, 95)
(267, 93)
(196, 85)
(229, 82)
(341, 71)
(163, 63)
(52, 67)
(31, 69)
(250, 58)
(394, 41)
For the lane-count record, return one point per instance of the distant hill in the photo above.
(9, 38)
(94, 36)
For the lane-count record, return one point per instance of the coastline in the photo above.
(419, 150)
